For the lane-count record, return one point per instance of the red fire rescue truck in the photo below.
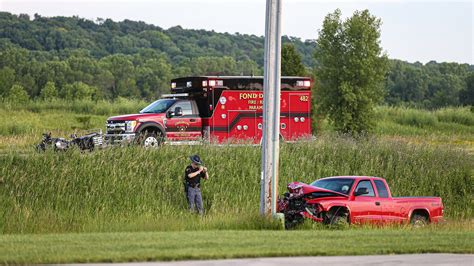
(216, 109)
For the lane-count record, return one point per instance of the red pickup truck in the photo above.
(355, 200)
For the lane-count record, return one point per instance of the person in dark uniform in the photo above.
(192, 178)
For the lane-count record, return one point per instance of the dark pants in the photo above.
(195, 199)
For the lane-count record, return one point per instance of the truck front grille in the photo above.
(115, 127)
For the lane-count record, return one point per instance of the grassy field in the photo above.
(152, 246)
(128, 203)
(132, 188)
(21, 126)
(453, 127)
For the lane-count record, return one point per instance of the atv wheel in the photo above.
(151, 140)
(418, 221)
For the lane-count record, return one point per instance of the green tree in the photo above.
(405, 83)
(214, 65)
(67, 92)
(17, 94)
(445, 92)
(49, 91)
(78, 91)
(7, 79)
(83, 91)
(134, 59)
(153, 77)
(466, 96)
(351, 70)
(291, 64)
(248, 67)
(123, 71)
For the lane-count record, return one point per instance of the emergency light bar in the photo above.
(175, 95)
(303, 83)
(213, 83)
(203, 84)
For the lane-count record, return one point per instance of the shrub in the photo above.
(49, 92)
(17, 94)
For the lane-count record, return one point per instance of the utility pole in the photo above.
(271, 109)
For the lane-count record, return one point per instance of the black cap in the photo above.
(195, 159)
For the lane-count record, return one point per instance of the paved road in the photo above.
(388, 260)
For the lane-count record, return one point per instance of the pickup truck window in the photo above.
(341, 185)
(381, 188)
(186, 106)
(159, 106)
(368, 185)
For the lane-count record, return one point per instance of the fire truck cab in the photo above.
(218, 109)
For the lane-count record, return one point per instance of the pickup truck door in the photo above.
(187, 126)
(366, 208)
(389, 208)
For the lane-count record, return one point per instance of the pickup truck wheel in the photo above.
(418, 221)
(340, 220)
(151, 139)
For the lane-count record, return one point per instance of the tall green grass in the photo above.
(21, 125)
(409, 121)
(128, 189)
(16, 118)
(463, 116)
(102, 107)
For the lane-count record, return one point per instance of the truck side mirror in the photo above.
(361, 191)
(178, 111)
(169, 114)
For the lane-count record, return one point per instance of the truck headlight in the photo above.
(130, 125)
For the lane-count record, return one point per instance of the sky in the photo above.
(420, 30)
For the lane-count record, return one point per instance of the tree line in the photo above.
(76, 58)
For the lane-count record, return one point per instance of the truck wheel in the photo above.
(340, 221)
(418, 221)
(151, 139)
(337, 217)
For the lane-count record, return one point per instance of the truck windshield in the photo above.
(341, 185)
(159, 106)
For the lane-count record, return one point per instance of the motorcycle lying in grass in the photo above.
(85, 143)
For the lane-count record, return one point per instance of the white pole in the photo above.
(271, 109)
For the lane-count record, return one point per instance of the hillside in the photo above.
(107, 59)
(106, 37)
